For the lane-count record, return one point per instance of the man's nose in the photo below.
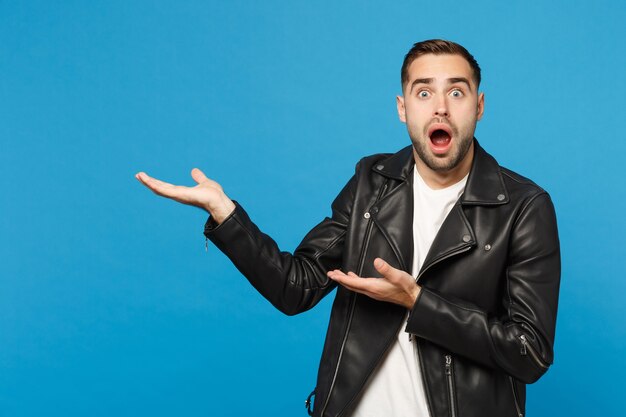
(441, 110)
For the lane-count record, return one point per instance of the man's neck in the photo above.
(443, 179)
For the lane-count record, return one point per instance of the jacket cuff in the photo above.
(433, 316)
(413, 320)
(220, 232)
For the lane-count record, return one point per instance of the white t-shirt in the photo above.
(395, 388)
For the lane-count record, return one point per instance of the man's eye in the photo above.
(423, 94)
(456, 93)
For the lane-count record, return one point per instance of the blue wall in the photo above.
(109, 304)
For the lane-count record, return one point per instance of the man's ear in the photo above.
(480, 109)
(401, 109)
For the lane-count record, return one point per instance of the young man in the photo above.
(446, 265)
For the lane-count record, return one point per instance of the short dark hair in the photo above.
(437, 47)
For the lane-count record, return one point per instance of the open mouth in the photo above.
(440, 137)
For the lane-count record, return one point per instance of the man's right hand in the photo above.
(207, 195)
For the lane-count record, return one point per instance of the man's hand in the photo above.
(207, 195)
(395, 286)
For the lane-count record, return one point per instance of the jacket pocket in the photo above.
(449, 371)
(527, 348)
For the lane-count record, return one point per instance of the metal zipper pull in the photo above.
(523, 351)
(448, 365)
(527, 348)
(308, 402)
(450, 380)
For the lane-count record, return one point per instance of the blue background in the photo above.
(109, 304)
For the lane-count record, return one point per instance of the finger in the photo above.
(354, 289)
(346, 283)
(352, 282)
(142, 177)
(163, 188)
(149, 181)
(175, 192)
(356, 283)
(334, 274)
(387, 270)
(161, 184)
(198, 176)
(383, 267)
(365, 286)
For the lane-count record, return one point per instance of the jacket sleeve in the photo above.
(520, 340)
(296, 282)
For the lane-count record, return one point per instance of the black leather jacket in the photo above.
(485, 319)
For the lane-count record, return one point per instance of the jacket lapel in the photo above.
(393, 214)
(455, 236)
(484, 187)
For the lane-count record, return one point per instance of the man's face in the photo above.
(440, 106)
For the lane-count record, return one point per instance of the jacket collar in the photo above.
(485, 185)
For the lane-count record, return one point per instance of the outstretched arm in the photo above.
(291, 282)
(207, 194)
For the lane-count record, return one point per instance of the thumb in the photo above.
(198, 176)
(385, 269)
(393, 275)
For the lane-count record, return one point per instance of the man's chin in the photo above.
(442, 162)
(435, 162)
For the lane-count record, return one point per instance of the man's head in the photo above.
(440, 105)
(438, 47)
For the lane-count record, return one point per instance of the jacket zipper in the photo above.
(450, 381)
(368, 231)
(412, 338)
(527, 347)
(462, 249)
(515, 399)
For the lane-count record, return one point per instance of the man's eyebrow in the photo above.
(452, 80)
(455, 80)
(421, 81)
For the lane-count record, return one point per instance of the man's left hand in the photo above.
(396, 286)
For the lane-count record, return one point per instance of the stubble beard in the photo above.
(447, 162)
